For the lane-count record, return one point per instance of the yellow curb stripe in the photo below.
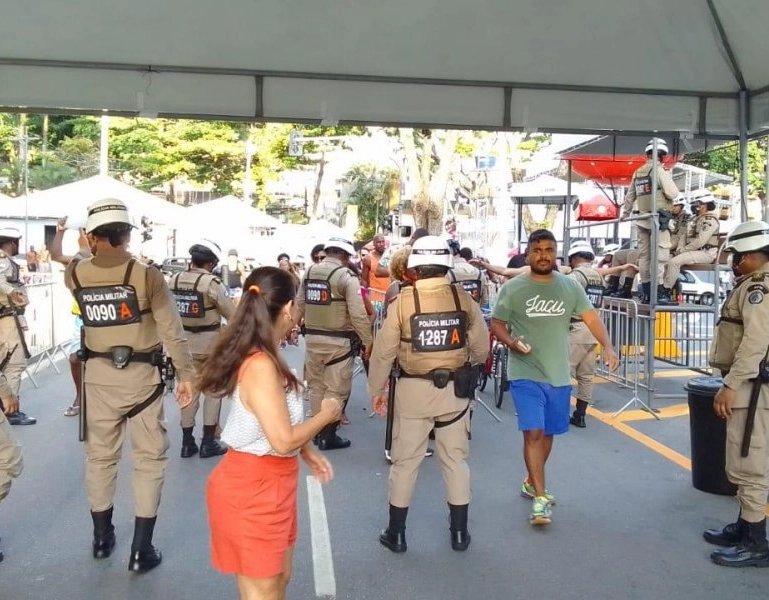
(639, 437)
(677, 410)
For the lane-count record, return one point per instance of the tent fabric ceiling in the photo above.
(601, 65)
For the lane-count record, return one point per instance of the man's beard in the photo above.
(543, 270)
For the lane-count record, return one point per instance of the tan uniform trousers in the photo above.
(582, 360)
(16, 365)
(749, 474)
(11, 463)
(625, 257)
(211, 406)
(690, 257)
(106, 407)
(645, 249)
(418, 406)
(324, 380)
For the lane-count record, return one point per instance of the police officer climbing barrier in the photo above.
(739, 350)
(436, 334)
(202, 301)
(128, 312)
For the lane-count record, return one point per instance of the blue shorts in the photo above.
(541, 406)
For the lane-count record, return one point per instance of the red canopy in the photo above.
(598, 208)
(608, 170)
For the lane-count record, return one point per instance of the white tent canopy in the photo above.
(231, 212)
(72, 200)
(683, 67)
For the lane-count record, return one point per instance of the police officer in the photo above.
(581, 342)
(11, 463)
(335, 325)
(700, 246)
(471, 278)
(128, 312)
(627, 256)
(640, 193)
(740, 350)
(13, 299)
(202, 301)
(679, 223)
(435, 331)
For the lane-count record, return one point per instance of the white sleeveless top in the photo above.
(243, 431)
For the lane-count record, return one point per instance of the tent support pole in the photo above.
(743, 112)
(766, 187)
(567, 215)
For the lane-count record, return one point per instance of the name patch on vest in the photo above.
(317, 292)
(438, 332)
(594, 294)
(642, 186)
(472, 287)
(108, 306)
(190, 304)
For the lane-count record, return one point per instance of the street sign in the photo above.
(295, 146)
(485, 162)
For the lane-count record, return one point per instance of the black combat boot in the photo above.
(578, 417)
(665, 296)
(209, 446)
(752, 551)
(103, 533)
(644, 293)
(329, 440)
(20, 418)
(626, 291)
(612, 284)
(460, 537)
(144, 556)
(729, 536)
(189, 447)
(394, 537)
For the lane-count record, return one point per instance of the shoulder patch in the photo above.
(756, 293)
(759, 276)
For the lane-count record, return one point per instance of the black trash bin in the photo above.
(708, 435)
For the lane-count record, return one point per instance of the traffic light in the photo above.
(388, 224)
(146, 229)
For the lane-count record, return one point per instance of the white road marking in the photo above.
(322, 558)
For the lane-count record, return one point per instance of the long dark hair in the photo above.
(265, 292)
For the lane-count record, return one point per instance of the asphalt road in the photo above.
(627, 524)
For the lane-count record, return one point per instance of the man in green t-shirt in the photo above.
(532, 317)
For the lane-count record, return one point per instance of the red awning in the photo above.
(612, 171)
(598, 208)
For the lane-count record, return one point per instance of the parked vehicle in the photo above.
(175, 264)
(696, 289)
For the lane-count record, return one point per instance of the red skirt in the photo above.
(252, 513)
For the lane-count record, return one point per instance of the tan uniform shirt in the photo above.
(665, 185)
(741, 339)
(464, 271)
(164, 314)
(389, 346)
(702, 231)
(9, 271)
(350, 285)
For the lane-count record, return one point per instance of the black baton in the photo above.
(82, 355)
(755, 391)
(391, 408)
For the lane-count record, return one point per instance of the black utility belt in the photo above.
(465, 379)
(334, 334)
(202, 328)
(436, 376)
(122, 356)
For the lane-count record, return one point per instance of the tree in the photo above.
(370, 189)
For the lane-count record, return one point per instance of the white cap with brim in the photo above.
(340, 244)
(107, 212)
(430, 250)
(581, 247)
(212, 247)
(10, 232)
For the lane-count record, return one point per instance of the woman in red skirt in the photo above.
(251, 494)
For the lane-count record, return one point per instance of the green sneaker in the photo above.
(528, 492)
(541, 511)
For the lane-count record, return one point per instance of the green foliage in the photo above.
(369, 190)
(726, 160)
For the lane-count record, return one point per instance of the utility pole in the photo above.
(250, 150)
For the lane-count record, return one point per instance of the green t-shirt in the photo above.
(541, 312)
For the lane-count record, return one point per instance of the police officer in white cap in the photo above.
(436, 332)
(337, 327)
(13, 345)
(202, 301)
(639, 193)
(128, 314)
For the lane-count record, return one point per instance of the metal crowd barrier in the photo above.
(677, 336)
(50, 323)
